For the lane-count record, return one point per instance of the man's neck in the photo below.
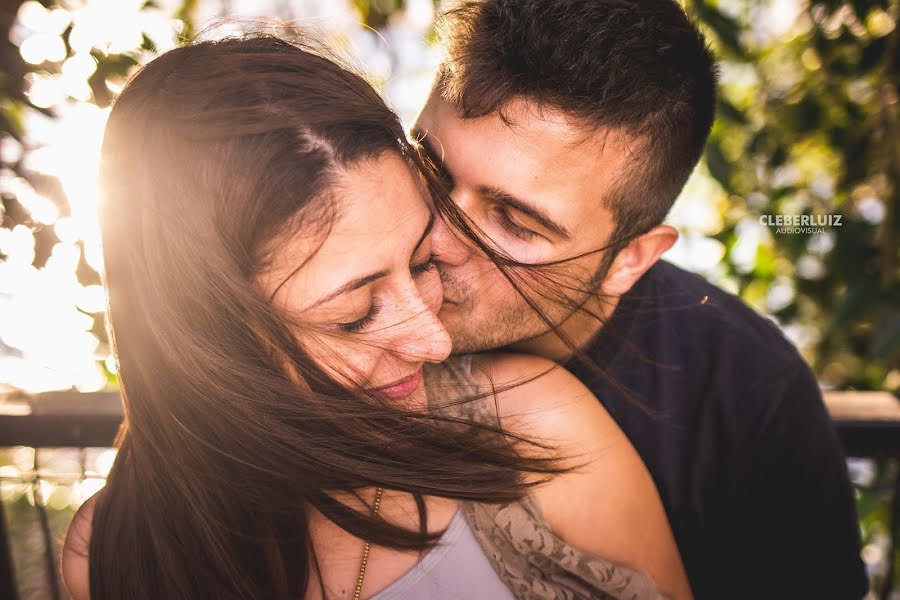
(580, 329)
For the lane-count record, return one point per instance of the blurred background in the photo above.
(808, 123)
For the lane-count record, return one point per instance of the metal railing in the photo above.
(868, 424)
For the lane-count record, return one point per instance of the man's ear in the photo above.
(639, 255)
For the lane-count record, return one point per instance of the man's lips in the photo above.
(401, 388)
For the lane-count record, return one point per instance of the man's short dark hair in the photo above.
(636, 66)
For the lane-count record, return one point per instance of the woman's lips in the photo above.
(401, 389)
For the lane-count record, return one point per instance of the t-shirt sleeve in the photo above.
(794, 506)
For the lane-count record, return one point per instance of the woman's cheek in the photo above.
(349, 362)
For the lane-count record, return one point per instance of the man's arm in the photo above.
(794, 518)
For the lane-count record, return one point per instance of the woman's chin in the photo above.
(416, 402)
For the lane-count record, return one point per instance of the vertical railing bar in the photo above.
(82, 463)
(8, 587)
(890, 585)
(49, 555)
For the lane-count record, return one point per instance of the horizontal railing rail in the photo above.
(868, 424)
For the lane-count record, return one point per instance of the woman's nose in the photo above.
(421, 336)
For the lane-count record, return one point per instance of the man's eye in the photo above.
(513, 227)
(360, 324)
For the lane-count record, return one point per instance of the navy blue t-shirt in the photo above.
(750, 470)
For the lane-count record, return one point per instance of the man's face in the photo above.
(536, 188)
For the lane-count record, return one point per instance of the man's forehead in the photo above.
(546, 138)
(528, 120)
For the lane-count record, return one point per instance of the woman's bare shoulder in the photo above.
(537, 397)
(75, 550)
(608, 505)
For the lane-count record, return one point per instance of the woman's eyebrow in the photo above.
(351, 285)
(355, 284)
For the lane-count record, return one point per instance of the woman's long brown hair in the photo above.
(232, 432)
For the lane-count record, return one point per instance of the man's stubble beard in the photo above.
(473, 330)
(502, 329)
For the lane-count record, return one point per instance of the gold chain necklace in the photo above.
(365, 556)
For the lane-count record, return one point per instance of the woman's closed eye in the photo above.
(370, 316)
(360, 324)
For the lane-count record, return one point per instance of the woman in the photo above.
(272, 304)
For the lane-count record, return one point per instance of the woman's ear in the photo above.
(636, 258)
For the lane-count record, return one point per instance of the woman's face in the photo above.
(370, 286)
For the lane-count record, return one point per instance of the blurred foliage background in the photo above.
(808, 124)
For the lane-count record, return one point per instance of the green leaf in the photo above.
(13, 113)
(718, 164)
(887, 338)
(759, 143)
(727, 30)
(377, 13)
(730, 112)
(806, 115)
(779, 156)
(872, 54)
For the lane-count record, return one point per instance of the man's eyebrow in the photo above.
(531, 211)
(494, 193)
(355, 284)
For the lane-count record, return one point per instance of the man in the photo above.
(565, 129)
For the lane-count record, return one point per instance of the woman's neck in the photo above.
(338, 553)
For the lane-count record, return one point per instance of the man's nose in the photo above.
(446, 246)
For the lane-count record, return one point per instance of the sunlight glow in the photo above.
(43, 47)
(48, 333)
